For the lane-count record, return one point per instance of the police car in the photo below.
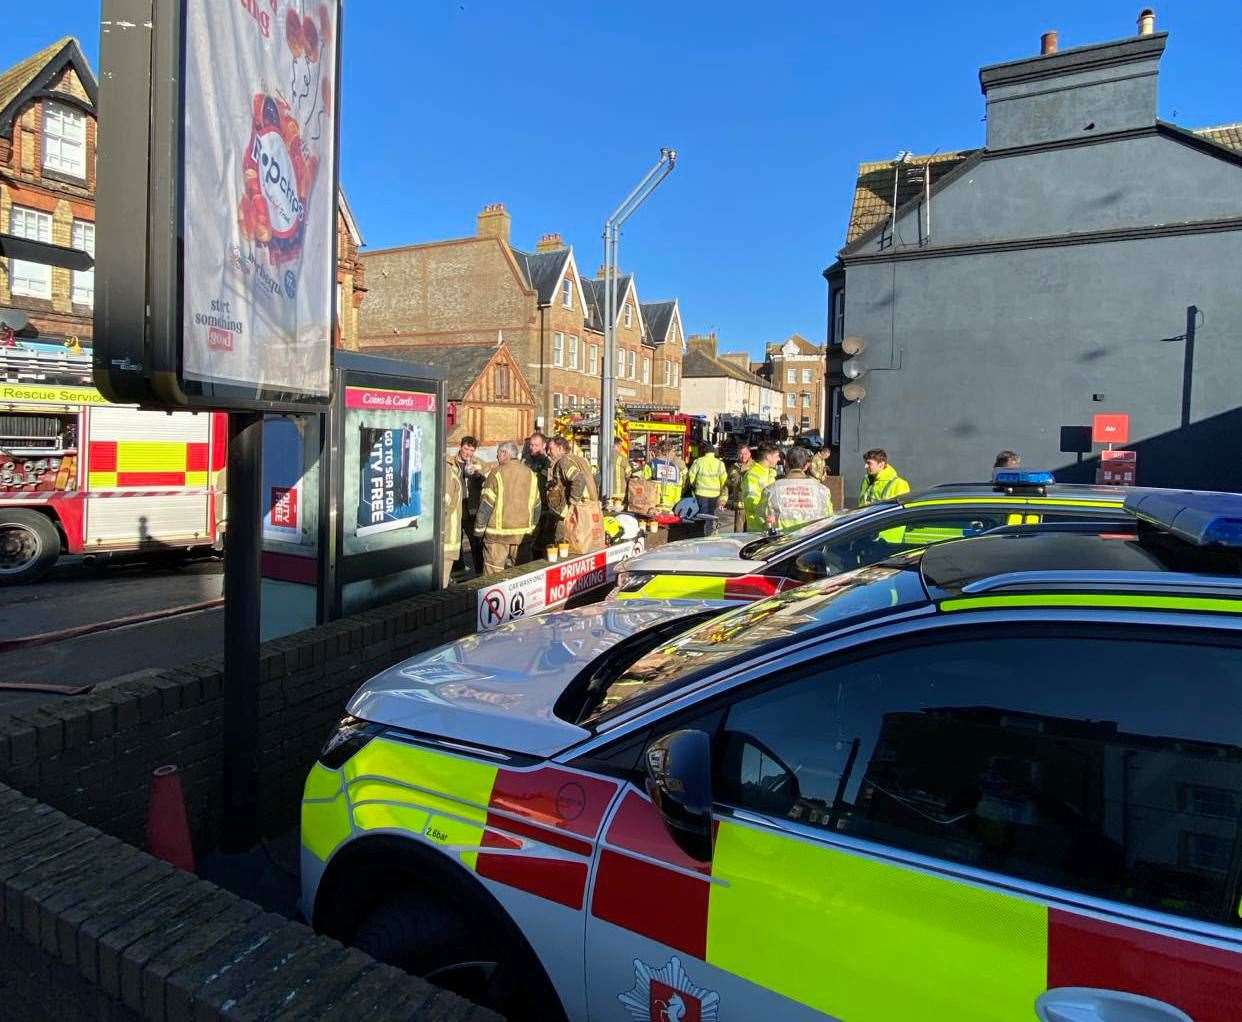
(992, 779)
(738, 567)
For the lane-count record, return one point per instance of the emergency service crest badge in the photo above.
(668, 995)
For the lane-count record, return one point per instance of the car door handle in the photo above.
(1087, 1004)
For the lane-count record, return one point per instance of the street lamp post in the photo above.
(612, 240)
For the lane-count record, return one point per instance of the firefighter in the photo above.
(620, 473)
(736, 474)
(882, 481)
(818, 468)
(666, 470)
(535, 457)
(570, 482)
(797, 498)
(708, 478)
(508, 509)
(760, 475)
(452, 520)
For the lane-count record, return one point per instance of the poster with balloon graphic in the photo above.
(259, 222)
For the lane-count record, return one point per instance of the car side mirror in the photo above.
(679, 781)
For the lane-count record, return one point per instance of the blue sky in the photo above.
(557, 110)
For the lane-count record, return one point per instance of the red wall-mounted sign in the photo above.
(1111, 428)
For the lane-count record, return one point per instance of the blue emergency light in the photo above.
(1201, 517)
(1026, 480)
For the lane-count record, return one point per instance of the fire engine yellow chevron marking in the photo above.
(825, 928)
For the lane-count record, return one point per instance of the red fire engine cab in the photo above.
(81, 476)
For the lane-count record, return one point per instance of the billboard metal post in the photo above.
(243, 555)
(612, 244)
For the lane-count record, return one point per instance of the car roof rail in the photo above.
(1111, 581)
(1092, 526)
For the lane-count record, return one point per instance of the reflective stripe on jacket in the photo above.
(708, 476)
(570, 481)
(452, 510)
(757, 479)
(795, 500)
(510, 503)
(886, 485)
(670, 478)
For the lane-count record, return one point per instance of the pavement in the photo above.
(76, 594)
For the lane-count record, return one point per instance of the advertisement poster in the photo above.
(390, 488)
(391, 482)
(259, 142)
(286, 516)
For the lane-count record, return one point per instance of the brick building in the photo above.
(47, 188)
(350, 279)
(488, 396)
(796, 367)
(472, 291)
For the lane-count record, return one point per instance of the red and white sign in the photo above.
(1110, 428)
(389, 400)
(284, 507)
(668, 994)
(1117, 468)
(514, 598)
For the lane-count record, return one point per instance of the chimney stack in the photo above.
(1146, 21)
(599, 274)
(550, 243)
(494, 222)
(1048, 43)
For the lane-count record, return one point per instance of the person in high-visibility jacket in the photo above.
(620, 473)
(797, 498)
(452, 519)
(508, 509)
(666, 470)
(760, 475)
(881, 481)
(708, 478)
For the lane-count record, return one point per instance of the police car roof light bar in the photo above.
(1022, 480)
(1200, 517)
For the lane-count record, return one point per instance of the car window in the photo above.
(863, 546)
(771, 546)
(770, 623)
(1107, 766)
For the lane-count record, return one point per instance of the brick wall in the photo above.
(91, 928)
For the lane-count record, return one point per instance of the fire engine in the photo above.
(79, 475)
(638, 429)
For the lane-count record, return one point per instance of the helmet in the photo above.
(628, 525)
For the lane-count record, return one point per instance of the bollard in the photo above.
(168, 825)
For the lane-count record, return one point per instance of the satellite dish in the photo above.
(13, 319)
(853, 346)
(854, 391)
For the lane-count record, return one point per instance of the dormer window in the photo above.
(64, 139)
(567, 293)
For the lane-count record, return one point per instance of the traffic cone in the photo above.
(168, 826)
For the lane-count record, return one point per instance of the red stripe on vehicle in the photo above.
(493, 840)
(554, 879)
(659, 903)
(102, 455)
(556, 798)
(150, 479)
(638, 827)
(1205, 982)
(548, 837)
(196, 457)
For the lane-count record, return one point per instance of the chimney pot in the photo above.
(1048, 43)
(1146, 21)
(494, 222)
(550, 243)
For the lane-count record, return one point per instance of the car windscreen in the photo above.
(770, 546)
(771, 623)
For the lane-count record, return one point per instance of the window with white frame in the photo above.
(573, 352)
(791, 375)
(593, 360)
(668, 373)
(620, 363)
(558, 349)
(558, 402)
(567, 293)
(573, 400)
(646, 370)
(806, 376)
(629, 314)
(791, 400)
(806, 400)
(33, 280)
(84, 280)
(676, 374)
(64, 139)
(629, 359)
